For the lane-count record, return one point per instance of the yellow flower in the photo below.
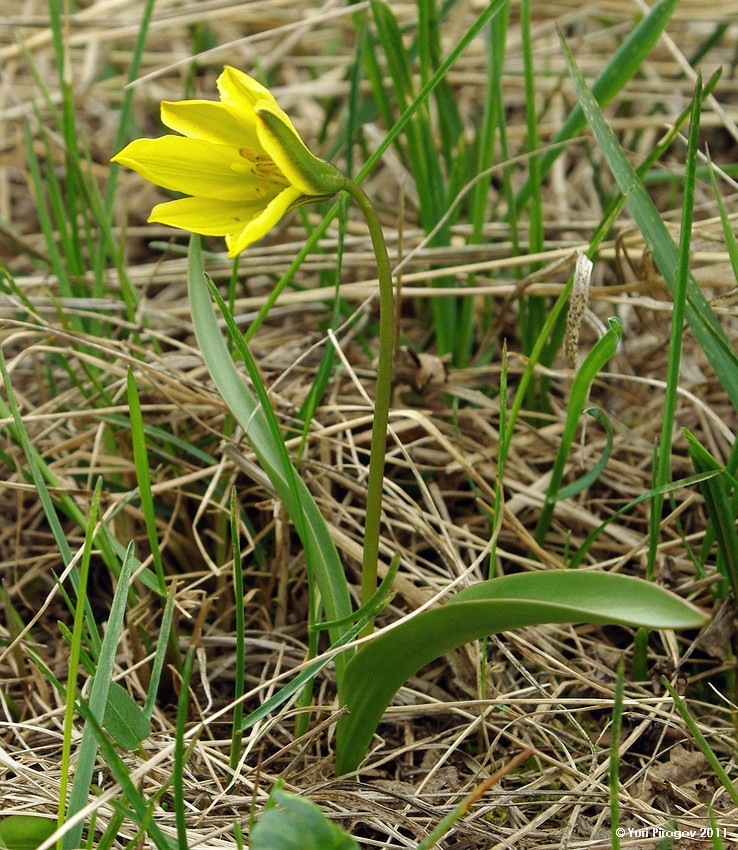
(241, 161)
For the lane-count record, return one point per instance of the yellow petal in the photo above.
(193, 167)
(210, 121)
(205, 215)
(312, 176)
(241, 91)
(261, 224)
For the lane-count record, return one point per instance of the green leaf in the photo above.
(701, 318)
(25, 832)
(589, 477)
(320, 551)
(601, 352)
(297, 824)
(124, 719)
(378, 670)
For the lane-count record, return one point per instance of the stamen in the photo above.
(259, 165)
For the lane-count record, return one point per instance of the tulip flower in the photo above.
(243, 166)
(241, 161)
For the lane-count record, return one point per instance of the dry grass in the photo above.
(549, 688)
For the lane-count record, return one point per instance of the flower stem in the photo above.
(381, 397)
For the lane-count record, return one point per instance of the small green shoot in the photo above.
(601, 352)
(25, 832)
(297, 824)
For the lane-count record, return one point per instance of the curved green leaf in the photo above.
(319, 547)
(593, 363)
(589, 477)
(378, 670)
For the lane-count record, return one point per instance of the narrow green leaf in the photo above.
(76, 650)
(731, 243)
(165, 639)
(648, 494)
(700, 316)
(40, 473)
(719, 507)
(179, 749)
(707, 751)
(240, 618)
(378, 670)
(143, 476)
(124, 719)
(589, 477)
(305, 675)
(98, 700)
(593, 363)
(297, 824)
(319, 547)
(141, 809)
(662, 472)
(615, 731)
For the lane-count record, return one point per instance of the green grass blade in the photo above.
(720, 508)
(143, 476)
(421, 155)
(75, 650)
(39, 472)
(379, 669)
(702, 743)
(141, 812)
(240, 617)
(305, 675)
(528, 374)
(97, 703)
(614, 778)
(717, 830)
(588, 478)
(179, 748)
(663, 468)
(532, 309)
(161, 651)
(731, 243)
(648, 494)
(127, 103)
(700, 316)
(623, 64)
(450, 126)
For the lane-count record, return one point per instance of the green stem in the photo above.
(381, 398)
